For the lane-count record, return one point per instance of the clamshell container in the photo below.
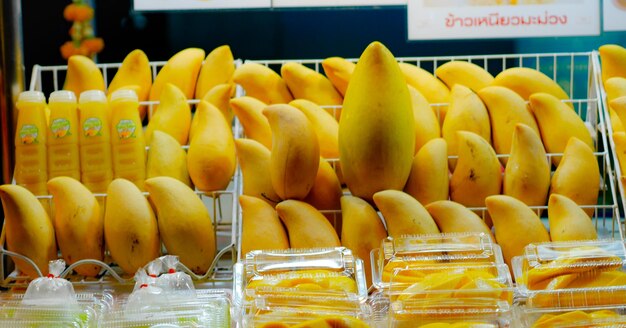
(572, 274)
(210, 309)
(294, 309)
(420, 250)
(574, 317)
(326, 272)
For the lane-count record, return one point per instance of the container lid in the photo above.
(124, 94)
(272, 273)
(92, 96)
(432, 249)
(547, 261)
(32, 96)
(62, 96)
(472, 313)
(457, 281)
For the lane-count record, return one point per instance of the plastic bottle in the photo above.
(127, 140)
(31, 168)
(94, 140)
(63, 155)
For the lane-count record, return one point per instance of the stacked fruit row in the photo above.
(613, 59)
(80, 224)
(391, 161)
(210, 162)
(131, 229)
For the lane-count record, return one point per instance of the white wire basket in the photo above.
(222, 205)
(578, 74)
(617, 171)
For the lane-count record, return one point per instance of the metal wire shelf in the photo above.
(221, 204)
(618, 175)
(577, 73)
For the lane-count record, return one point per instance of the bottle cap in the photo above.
(62, 96)
(92, 96)
(124, 94)
(32, 96)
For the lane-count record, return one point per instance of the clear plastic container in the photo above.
(327, 272)
(48, 316)
(211, 309)
(572, 274)
(574, 317)
(419, 250)
(101, 301)
(483, 313)
(455, 281)
(297, 309)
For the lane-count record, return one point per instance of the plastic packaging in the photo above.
(128, 146)
(146, 295)
(51, 290)
(94, 140)
(38, 316)
(477, 313)
(101, 301)
(178, 284)
(461, 284)
(292, 310)
(407, 251)
(574, 318)
(211, 309)
(327, 272)
(63, 153)
(31, 163)
(572, 274)
(51, 302)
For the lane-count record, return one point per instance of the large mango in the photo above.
(376, 129)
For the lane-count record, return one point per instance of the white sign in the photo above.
(154, 5)
(614, 14)
(464, 19)
(335, 3)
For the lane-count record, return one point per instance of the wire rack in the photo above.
(222, 205)
(578, 74)
(617, 172)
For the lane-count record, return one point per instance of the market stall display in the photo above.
(358, 159)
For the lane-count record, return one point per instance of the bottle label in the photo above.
(60, 127)
(29, 134)
(126, 129)
(92, 127)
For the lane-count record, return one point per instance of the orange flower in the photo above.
(83, 13)
(68, 49)
(94, 45)
(78, 12)
(70, 12)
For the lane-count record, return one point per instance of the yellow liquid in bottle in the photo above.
(31, 168)
(94, 137)
(63, 154)
(128, 146)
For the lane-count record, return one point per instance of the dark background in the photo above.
(260, 34)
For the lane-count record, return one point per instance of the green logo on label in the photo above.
(60, 127)
(126, 129)
(29, 134)
(92, 127)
